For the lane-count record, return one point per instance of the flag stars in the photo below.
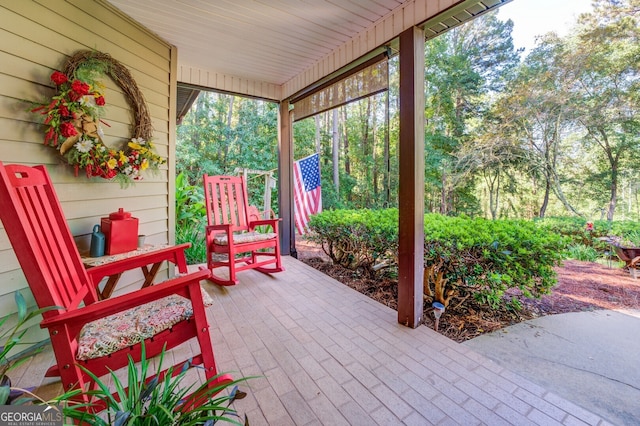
(310, 168)
(306, 191)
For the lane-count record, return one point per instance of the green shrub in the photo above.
(574, 229)
(629, 239)
(575, 233)
(484, 258)
(190, 208)
(627, 229)
(462, 256)
(358, 239)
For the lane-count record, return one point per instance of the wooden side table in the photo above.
(148, 258)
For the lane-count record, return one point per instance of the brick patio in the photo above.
(329, 355)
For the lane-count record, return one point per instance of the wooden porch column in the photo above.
(411, 179)
(285, 177)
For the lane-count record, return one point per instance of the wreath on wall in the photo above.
(73, 118)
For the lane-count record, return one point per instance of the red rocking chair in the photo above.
(82, 330)
(231, 232)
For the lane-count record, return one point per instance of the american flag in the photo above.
(307, 192)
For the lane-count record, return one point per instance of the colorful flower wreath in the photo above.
(73, 121)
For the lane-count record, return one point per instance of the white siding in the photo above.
(227, 83)
(37, 37)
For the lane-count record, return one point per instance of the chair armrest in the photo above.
(273, 223)
(227, 227)
(186, 286)
(264, 222)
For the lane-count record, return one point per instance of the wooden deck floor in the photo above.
(328, 355)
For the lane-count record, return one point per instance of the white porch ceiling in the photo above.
(272, 48)
(270, 40)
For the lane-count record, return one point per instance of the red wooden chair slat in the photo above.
(35, 224)
(49, 246)
(228, 216)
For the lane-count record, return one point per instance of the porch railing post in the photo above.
(411, 178)
(285, 177)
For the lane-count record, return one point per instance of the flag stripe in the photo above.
(307, 191)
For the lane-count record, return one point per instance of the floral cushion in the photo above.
(245, 237)
(110, 334)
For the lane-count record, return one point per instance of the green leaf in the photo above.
(121, 418)
(22, 306)
(4, 394)
(149, 388)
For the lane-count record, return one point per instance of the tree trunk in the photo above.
(614, 160)
(613, 200)
(493, 183)
(497, 197)
(387, 160)
(374, 163)
(228, 138)
(545, 200)
(366, 152)
(200, 107)
(443, 193)
(318, 124)
(561, 196)
(336, 151)
(347, 163)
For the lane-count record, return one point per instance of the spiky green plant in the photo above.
(154, 402)
(582, 252)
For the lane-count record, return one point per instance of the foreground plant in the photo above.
(10, 338)
(164, 401)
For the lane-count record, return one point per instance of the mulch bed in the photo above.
(582, 286)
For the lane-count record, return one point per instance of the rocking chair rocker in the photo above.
(170, 313)
(231, 231)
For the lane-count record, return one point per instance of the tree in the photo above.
(602, 56)
(464, 68)
(536, 111)
(222, 133)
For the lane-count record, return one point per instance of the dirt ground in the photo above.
(582, 286)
